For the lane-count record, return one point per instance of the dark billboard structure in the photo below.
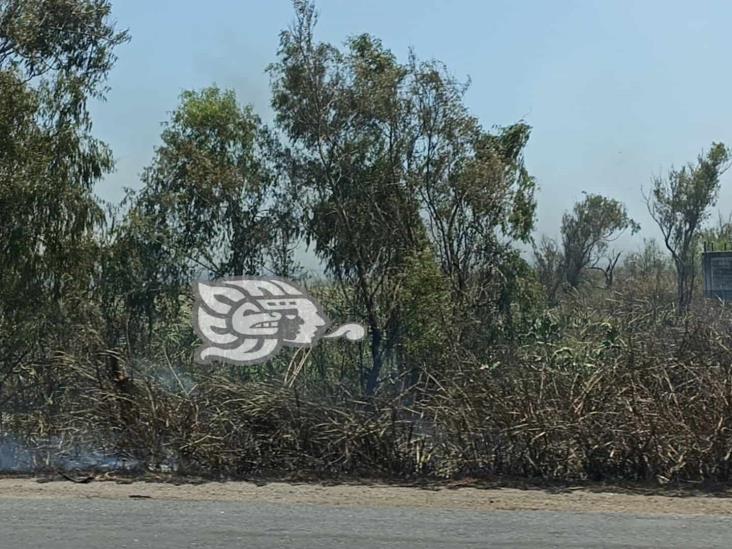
(717, 268)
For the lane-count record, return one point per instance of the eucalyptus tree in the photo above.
(586, 235)
(55, 56)
(210, 198)
(476, 198)
(396, 176)
(679, 204)
(350, 132)
(212, 204)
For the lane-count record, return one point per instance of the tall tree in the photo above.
(55, 56)
(395, 173)
(679, 204)
(476, 197)
(211, 195)
(586, 233)
(350, 134)
(212, 203)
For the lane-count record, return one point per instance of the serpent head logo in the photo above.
(246, 320)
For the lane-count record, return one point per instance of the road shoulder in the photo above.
(569, 499)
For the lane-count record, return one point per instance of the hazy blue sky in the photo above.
(616, 91)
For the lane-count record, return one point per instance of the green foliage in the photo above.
(416, 212)
(387, 162)
(587, 231)
(679, 203)
(717, 237)
(548, 263)
(54, 56)
(586, 236)
(424, 330)
(347, 123)
(210, 197)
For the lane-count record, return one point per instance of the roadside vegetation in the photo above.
(574, 361)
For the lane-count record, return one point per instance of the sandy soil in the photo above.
(380, 495)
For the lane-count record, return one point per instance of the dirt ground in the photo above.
(571, 499)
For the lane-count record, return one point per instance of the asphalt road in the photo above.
(113, 524)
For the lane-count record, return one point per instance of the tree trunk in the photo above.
(684, 286)
(372, 381)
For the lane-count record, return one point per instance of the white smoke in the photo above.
(19, 457)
